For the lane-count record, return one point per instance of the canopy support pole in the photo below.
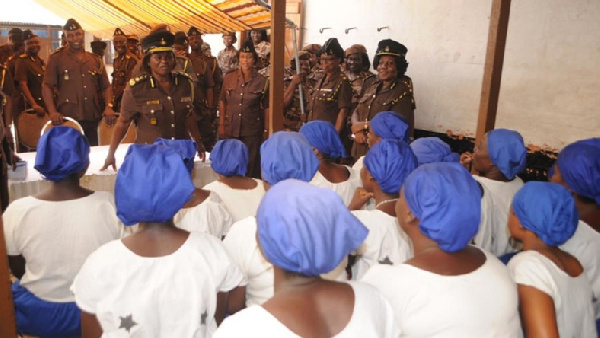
(277, 63)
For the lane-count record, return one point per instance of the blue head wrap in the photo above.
(389, 124)
(432, 149)
(61, 151)
(579, 165)
(152, 185)
(389, 162)
(323, 136)
(446, 200)
(229, 158)
(286, 155)
(305, 229)
(507, 151)
(185, 148)
(547, 209)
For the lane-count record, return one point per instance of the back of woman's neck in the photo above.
(64, 190)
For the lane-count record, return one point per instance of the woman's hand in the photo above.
(360, 138)
(361, 197)
(466, 159)
(201, 151)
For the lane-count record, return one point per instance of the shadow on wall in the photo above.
(539, 160)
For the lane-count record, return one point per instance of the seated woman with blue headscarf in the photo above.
(49, 236)
(448, 289)
(432, 150)
(386, 167)
(328, 147)
(555, 295)
(578, 170)
(283, 155)
(240, 194)
(305, 231)
(161, 281)
(204, 212)
(497, 159)
(385, 125)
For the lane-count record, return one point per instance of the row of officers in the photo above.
(170, 93)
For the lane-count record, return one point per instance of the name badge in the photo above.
(152, 102)
(326, 90)
(153, 121)
(186, 99)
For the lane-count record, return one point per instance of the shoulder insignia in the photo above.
(136, 80)
(23, 56)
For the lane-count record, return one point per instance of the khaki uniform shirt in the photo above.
(357, 82)
(31, 70)
(331, 94)
(122, 70)
(398, 97)
(245, 102)
(228, 60)
(292, 116)
(78, 83)
(157, 113)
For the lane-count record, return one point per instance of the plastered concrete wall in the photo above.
(551, 78)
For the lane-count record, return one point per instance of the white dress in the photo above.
(488, 224)
(344, 189)
(168, 296)
(372, 316)
(572, 296)
(56, 237)
(386, 243)
(585, 246)
(502, 194)
(482, 303)
(241, 203)
(210, 217)
(243, 249)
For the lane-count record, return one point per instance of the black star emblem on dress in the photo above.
(386, 260)
(127, 323)
(203, 318)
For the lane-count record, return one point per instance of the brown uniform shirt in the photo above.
(331, 94)
(245, 102)
(122, 69)
(357, 82)
(31, 70)
(78, 83)
(6, 51)
(398, 97)
(157, 113)
(292, 116)
(205, 80)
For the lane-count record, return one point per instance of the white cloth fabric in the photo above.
(168, 296)
(240, 203)
(344, 189)
(487, 226)
(482, 303)
(56, 237)
(502, 194)
(386, 243)
(572, 296)
(210, 217)
(244, 251)
(372, 316)
(585, 246)
(358, 165)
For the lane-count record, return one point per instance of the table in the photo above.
(95, 179)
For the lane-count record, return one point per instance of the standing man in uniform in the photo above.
(123, 65)
(7, 90)
(332, 98)
(29, 74)
(77, 77)
(14, 45)
(133, 45)
(205, 74)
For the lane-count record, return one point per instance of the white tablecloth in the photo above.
(94, 178)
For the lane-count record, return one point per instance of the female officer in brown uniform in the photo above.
(244, 105)
(159, 102)
(393, 91)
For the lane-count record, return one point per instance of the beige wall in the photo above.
(551, 79)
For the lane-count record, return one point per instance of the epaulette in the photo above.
(135, 80)
(188, 78)
(59, 49)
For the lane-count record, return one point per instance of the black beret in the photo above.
(391, 48)
(193, 31)
(118, 32)
(180, 38)
(161, 41)
(71, 25)
(98, 44)
(248, 47)
(28, 34)
(332, 47)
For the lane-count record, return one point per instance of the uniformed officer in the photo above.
(244, 106)
(227, 58)
(133, 45)
(7, 90)
(393, 91)
(123, 65)
(160, 102)
(14, 45)
(29, 73)
(293, 116)
(181, 44)
(77, 77)
(98, 48)
(357, 70)
(332, 98)
(207, 73)
(315, 66)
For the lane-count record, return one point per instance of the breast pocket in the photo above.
(154, 114)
